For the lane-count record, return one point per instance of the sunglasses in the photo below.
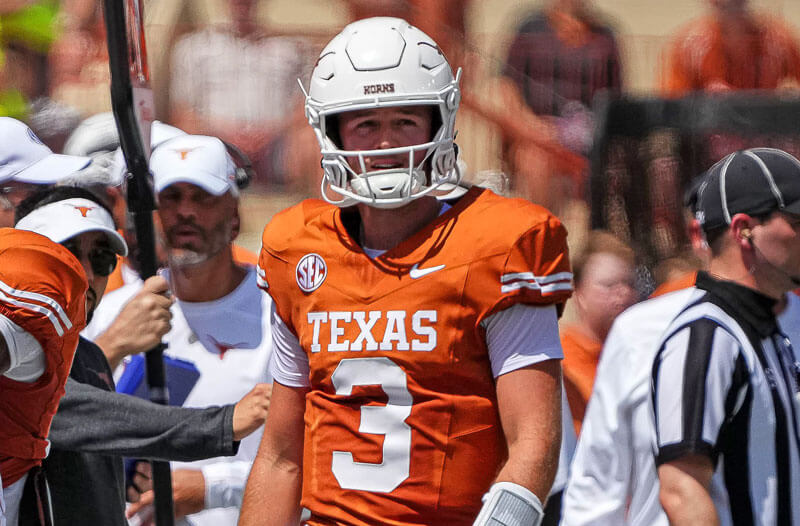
(102, 259)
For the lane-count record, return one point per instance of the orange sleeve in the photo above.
(536, 269)
(42, 287)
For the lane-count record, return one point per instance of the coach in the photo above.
(725, 383)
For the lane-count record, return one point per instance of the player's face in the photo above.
(197, 225)
(384, 128)
(92, 248)
(606, 289)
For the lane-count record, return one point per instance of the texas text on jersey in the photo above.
(401, 424)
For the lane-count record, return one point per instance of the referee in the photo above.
(725, 382)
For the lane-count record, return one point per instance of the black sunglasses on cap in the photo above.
(102, 259)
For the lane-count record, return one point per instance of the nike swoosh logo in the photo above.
(417, 272)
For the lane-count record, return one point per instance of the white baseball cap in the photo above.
(195, 159)
(66, 219)
(24, 158)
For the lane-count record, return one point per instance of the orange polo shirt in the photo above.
(701, 57)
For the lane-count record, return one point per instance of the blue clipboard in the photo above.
(181, 379)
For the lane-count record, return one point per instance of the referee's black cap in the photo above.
(756, 182)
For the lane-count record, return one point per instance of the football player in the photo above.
(416, 351)
(42, 310)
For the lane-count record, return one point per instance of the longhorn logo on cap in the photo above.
(183, 153)
(83, 209)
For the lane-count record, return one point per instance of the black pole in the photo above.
(141, 202)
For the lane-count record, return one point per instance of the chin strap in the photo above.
(509, 504)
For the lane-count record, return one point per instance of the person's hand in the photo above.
(251, 411)
(141, 323)
(142, 481)
(188, 494)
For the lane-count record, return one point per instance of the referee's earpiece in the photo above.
(746, 234)
(244, 168)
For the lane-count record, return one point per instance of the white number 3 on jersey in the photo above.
(388, 420)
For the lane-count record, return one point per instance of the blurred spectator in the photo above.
(560, 58)
(27, 165)
(604, 287)
(731, 48)
(79, 59)
(239, 82)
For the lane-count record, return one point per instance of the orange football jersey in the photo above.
(43, 290)
(401, 425)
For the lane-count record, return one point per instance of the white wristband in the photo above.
(510, 504)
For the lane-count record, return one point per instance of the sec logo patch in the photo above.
(311, 272)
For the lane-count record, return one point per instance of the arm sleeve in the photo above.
(598, 488)
(522, 335)
(90, 419)
(699, 377)
(225, 482)
(288, 363)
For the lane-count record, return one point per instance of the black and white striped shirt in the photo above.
(725, 385)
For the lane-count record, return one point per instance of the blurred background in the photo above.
(601, 110)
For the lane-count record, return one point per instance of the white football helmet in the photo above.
(375, 63)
